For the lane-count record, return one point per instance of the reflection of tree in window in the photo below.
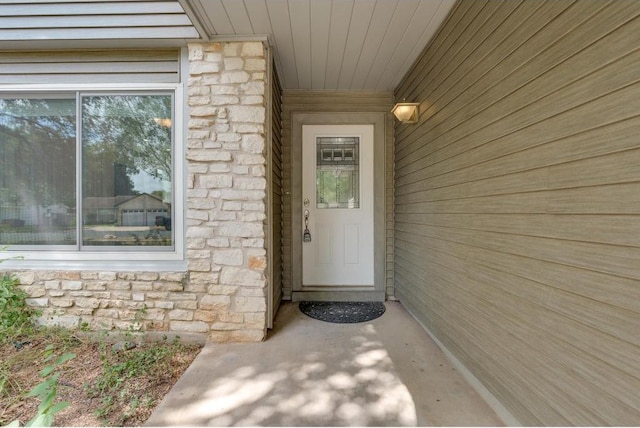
(37, 167)
(126, 131)
(126, 144)
(127, 148)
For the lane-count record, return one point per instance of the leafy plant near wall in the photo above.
(47, 390)
(14, 312)
(15, 315)
(16, 324)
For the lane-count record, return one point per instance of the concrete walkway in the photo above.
(387, 372)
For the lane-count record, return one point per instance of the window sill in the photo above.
(151, 263)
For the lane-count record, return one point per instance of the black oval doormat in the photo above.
(343, 312)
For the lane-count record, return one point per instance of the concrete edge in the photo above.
(487, 395)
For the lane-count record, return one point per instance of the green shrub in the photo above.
(11, 303)
(15, 314)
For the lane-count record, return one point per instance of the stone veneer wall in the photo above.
(222, 296)
(226, 187)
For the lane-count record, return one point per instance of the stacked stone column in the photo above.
(226, 191)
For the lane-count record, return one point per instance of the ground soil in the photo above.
(22, 360)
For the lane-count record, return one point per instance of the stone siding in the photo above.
(111, 300)
(223, 295)
(226, 188)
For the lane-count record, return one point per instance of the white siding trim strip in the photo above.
(90, 8)
(80, 21)
(88, 67)
(100, 33)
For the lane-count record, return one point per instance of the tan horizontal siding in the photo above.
(276, 188)
(517, 207)
(295, 101)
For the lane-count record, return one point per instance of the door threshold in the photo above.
(338, 296)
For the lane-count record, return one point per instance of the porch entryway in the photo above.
(337, 209)
(336, 230)
(386, 372)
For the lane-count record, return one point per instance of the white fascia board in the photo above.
(183, 32)
(242, 38)
(15, 45)
(195, 19)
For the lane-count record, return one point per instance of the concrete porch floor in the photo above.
(386, 372)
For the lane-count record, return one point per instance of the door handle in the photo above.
(306, 235)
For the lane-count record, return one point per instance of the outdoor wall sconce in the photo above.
(406, 112)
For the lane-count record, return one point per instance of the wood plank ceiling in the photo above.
(330, 44)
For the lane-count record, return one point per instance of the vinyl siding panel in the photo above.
(336, 101)
(91, 20)
(516, 204)
(276, 188)
(90, 66)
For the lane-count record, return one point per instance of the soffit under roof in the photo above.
(359, 45)
(330, 44)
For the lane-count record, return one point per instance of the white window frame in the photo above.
(114, 260)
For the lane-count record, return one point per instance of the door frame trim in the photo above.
(377, 292)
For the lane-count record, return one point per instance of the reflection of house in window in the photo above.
(129, 210)
(59, 215)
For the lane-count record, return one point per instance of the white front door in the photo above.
(337, 209)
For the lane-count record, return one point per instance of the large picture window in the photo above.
(87, 171)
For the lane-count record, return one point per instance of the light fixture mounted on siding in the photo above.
(406, 112)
